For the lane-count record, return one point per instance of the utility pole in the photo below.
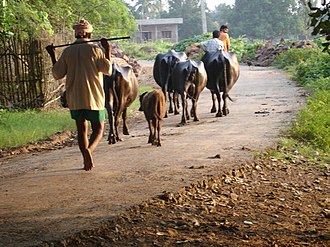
(204, 25)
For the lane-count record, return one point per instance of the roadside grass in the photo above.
(20, 127)
(308, 138)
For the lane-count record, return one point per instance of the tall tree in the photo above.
(268, 19)
(189, 10)
(221, 15)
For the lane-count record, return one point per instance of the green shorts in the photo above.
(90, 115)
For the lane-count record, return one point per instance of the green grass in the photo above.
(136, 104)
(309, 135)
(18, 128)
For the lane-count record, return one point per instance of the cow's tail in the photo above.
(189, 77)
(158, 110)
(115, 81)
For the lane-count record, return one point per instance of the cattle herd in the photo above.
(178, 77)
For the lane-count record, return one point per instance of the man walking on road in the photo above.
(83, 64)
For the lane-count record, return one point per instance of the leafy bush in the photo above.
(295, 56)
(145, 51)
(313, 69)
(182, 45)
(313, 122)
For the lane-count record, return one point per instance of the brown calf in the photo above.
(154, 107)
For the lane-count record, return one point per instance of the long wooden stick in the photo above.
(92, 40)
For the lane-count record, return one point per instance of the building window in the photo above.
(146, 36)
(167, 34)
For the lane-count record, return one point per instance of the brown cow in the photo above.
(153, 105)
(121, 89)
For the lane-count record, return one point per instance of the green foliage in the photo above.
(190, 11)
(313, 69)
(145, 51)
(18, 128)
(313, 122)
(23, 17)
(33, 18)
(294, 57)
(182, 45)
(264, 19)
(310, 68)
(320, 22)
(250, 48)
(306, 65)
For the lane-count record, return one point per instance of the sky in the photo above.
(212, 3)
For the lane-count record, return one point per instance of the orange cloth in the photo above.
(224, 37)
(83, 65)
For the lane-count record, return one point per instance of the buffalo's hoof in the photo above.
(125, 132)
(196, 119)
(213, 110)
(225, 112)
(219, 114)
(111, 139)
(181, 124)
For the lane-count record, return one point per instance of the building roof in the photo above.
(164, 21)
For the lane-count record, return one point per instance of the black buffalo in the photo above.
(189, 79)
(162, 70)
(222, 73)
(121, 89)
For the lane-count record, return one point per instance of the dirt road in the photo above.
(47, 195)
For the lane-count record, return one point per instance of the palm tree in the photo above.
(148, 8)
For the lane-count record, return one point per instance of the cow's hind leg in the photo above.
(158, 126)
(194, 108)
(154, 136)
(124, 117)
(225, 110)
(151, 130)
(109, 106)
(219, 113)
(214, 98)
(170, 101)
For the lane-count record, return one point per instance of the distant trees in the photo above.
(189, 10)
(266, 19)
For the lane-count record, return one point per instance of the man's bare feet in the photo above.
(88, 160)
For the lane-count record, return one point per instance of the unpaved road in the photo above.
(46, 196)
